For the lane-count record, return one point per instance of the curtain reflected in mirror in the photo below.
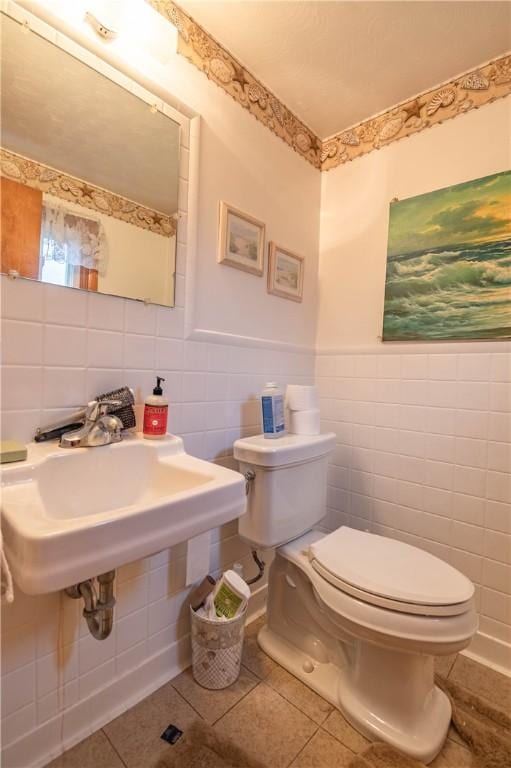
(74, 248)
(89, 176)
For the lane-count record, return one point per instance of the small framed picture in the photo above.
(241, 240)
(285, 273)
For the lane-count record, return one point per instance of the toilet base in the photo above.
(384, 688)
(423, 739)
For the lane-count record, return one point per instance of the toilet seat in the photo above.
(420, 633)
(390, 574)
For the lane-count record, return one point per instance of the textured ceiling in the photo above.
(60, 112)
(336, 63)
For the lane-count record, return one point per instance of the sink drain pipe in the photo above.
(98, 611)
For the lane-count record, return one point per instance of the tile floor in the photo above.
(270, 714)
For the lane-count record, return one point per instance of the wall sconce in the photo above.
(133, 30)
(104, 32)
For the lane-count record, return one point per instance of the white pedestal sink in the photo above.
(70, 514)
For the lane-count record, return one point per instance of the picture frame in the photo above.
(447, 276)
(241, 240)
(285, 273)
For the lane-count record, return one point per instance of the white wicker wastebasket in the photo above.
(216, 650)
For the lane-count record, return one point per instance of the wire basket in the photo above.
(216, 650)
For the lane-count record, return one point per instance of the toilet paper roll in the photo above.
(197, 557)
(304, 422)
(301, 398)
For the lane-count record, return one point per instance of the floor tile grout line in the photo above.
(113, 747)
(235, 705)
(227, 710)
(257, 682)
(451, 668)
(327, 715)
(214, 722)
(181, 696)
(328, 733)
(294, 706)
(304, 746)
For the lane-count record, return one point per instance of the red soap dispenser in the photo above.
(156, 413)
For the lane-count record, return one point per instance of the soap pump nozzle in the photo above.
(158, 390)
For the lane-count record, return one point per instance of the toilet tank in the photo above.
(288, 494)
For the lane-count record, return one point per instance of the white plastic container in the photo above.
(272, 404)
(231, 595)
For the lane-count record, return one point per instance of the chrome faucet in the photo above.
(100, 427)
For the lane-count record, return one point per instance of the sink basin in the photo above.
(70, 514)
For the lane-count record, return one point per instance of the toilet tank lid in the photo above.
(389, 568)
(281, 451)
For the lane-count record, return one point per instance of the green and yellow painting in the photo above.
(449, 263)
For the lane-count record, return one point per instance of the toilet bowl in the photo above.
(357, 617)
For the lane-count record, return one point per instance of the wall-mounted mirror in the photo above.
(89, 175)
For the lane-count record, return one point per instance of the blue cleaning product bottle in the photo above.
(272, 403)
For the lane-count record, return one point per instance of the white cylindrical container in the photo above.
(304, 422)
(301, 398)
(272, 404)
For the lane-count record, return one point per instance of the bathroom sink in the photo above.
(70, 514)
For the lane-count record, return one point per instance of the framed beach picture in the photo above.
(241, 240)
(285, 273)
(449, 263)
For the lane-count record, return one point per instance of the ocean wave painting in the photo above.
(449, 263)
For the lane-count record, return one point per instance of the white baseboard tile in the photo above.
(491, 652)
(63, 731)
(46, 742)
(257, 605)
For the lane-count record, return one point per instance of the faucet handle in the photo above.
(105, 406)
(97, 408)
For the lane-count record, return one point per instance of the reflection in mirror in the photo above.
(89, 176)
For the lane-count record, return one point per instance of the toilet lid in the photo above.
(372, 566)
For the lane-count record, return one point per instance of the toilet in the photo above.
(357, 617)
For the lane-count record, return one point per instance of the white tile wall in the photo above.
(212, 391)
(423, 454)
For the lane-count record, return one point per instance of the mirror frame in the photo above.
(95, 55)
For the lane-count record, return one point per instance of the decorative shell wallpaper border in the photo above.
(69, 188)
(469, 91)
(474, 89)
(202, 50)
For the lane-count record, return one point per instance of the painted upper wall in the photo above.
(355, 210)
(242, 163)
